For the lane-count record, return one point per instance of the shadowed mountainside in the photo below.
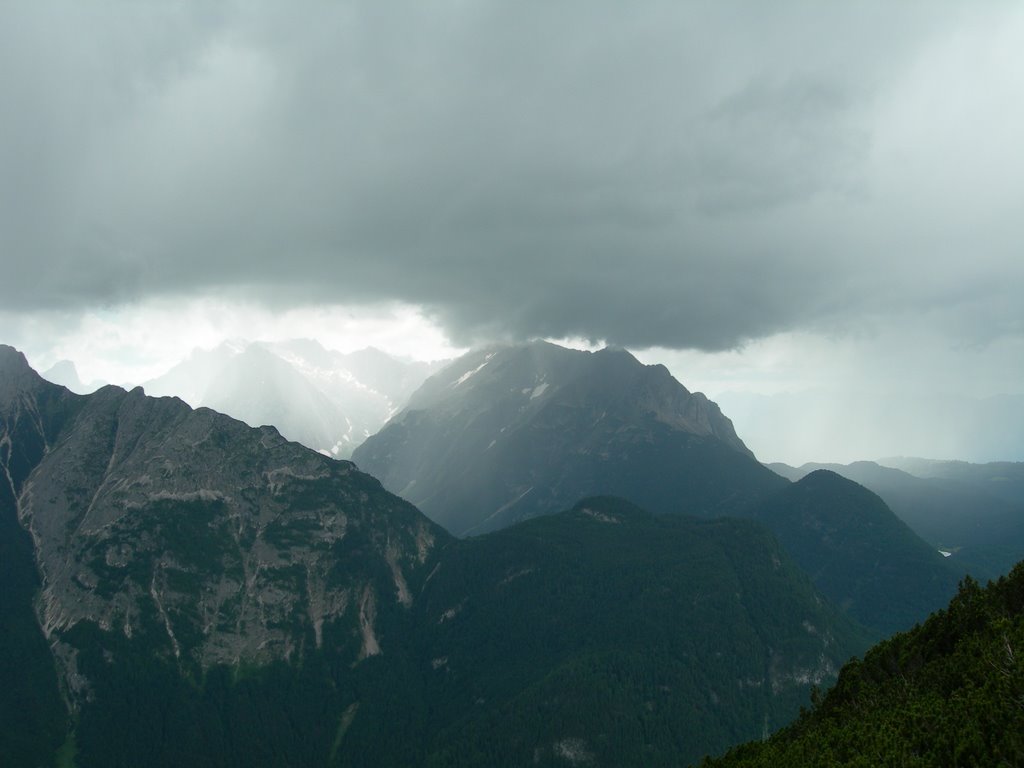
(512, 432)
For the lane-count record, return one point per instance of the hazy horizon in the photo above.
(798, 427)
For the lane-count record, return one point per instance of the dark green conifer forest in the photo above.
(948, 693)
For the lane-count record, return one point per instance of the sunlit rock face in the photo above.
(218, 542)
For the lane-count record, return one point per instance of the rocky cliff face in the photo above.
(510, 432)
(234, 544)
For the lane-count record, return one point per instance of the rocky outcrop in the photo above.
(231, 543)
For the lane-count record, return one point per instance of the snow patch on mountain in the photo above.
(466, 376)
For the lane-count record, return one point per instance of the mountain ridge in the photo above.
(973, 513)
(512, 431)
(327, 400)
(608, 591)
(196, 591)
(105, 514)
(857, 552)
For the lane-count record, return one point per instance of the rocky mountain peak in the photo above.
(65, 373)
(15, 373)
(536, 373)
(9, 356)
(219, 542)
(516, 430)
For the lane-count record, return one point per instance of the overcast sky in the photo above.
(769, 197)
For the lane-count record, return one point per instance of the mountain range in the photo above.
(872, 424)
(974, 513)
(180, 588)
(65, 373)
(328, 401)
(513, 432)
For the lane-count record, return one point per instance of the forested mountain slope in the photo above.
(975, 515)
(622, 637)
(948, 693)
(858, 553)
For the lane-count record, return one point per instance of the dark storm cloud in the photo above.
(680, 174)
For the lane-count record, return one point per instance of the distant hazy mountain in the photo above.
(370, 369)
(794, 427)
(65, 373)
(510, 432)
(858, 552)
(973, 512)
(1004, 479)
(181, 589)
(329, 401)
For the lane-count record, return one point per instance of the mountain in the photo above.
(369, 368)
(950, 692)
(609, 636)
(181, 589)
(510, 432)
(259, 388)
(513, 432)
(806, 424)
(65, 373)
(1004, 479)
(976, 518)
(171, 551)
(857, 552)
(326, 400)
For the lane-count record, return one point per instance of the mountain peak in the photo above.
(65, 373)
(615, 349)
(858, 552)
(16, 375)
(512, 431)
(824, 477)
(149, 496)
(12, 359)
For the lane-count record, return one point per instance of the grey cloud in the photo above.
(679, 174)
(774, 144)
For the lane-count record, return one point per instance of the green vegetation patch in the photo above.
(948, 693)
